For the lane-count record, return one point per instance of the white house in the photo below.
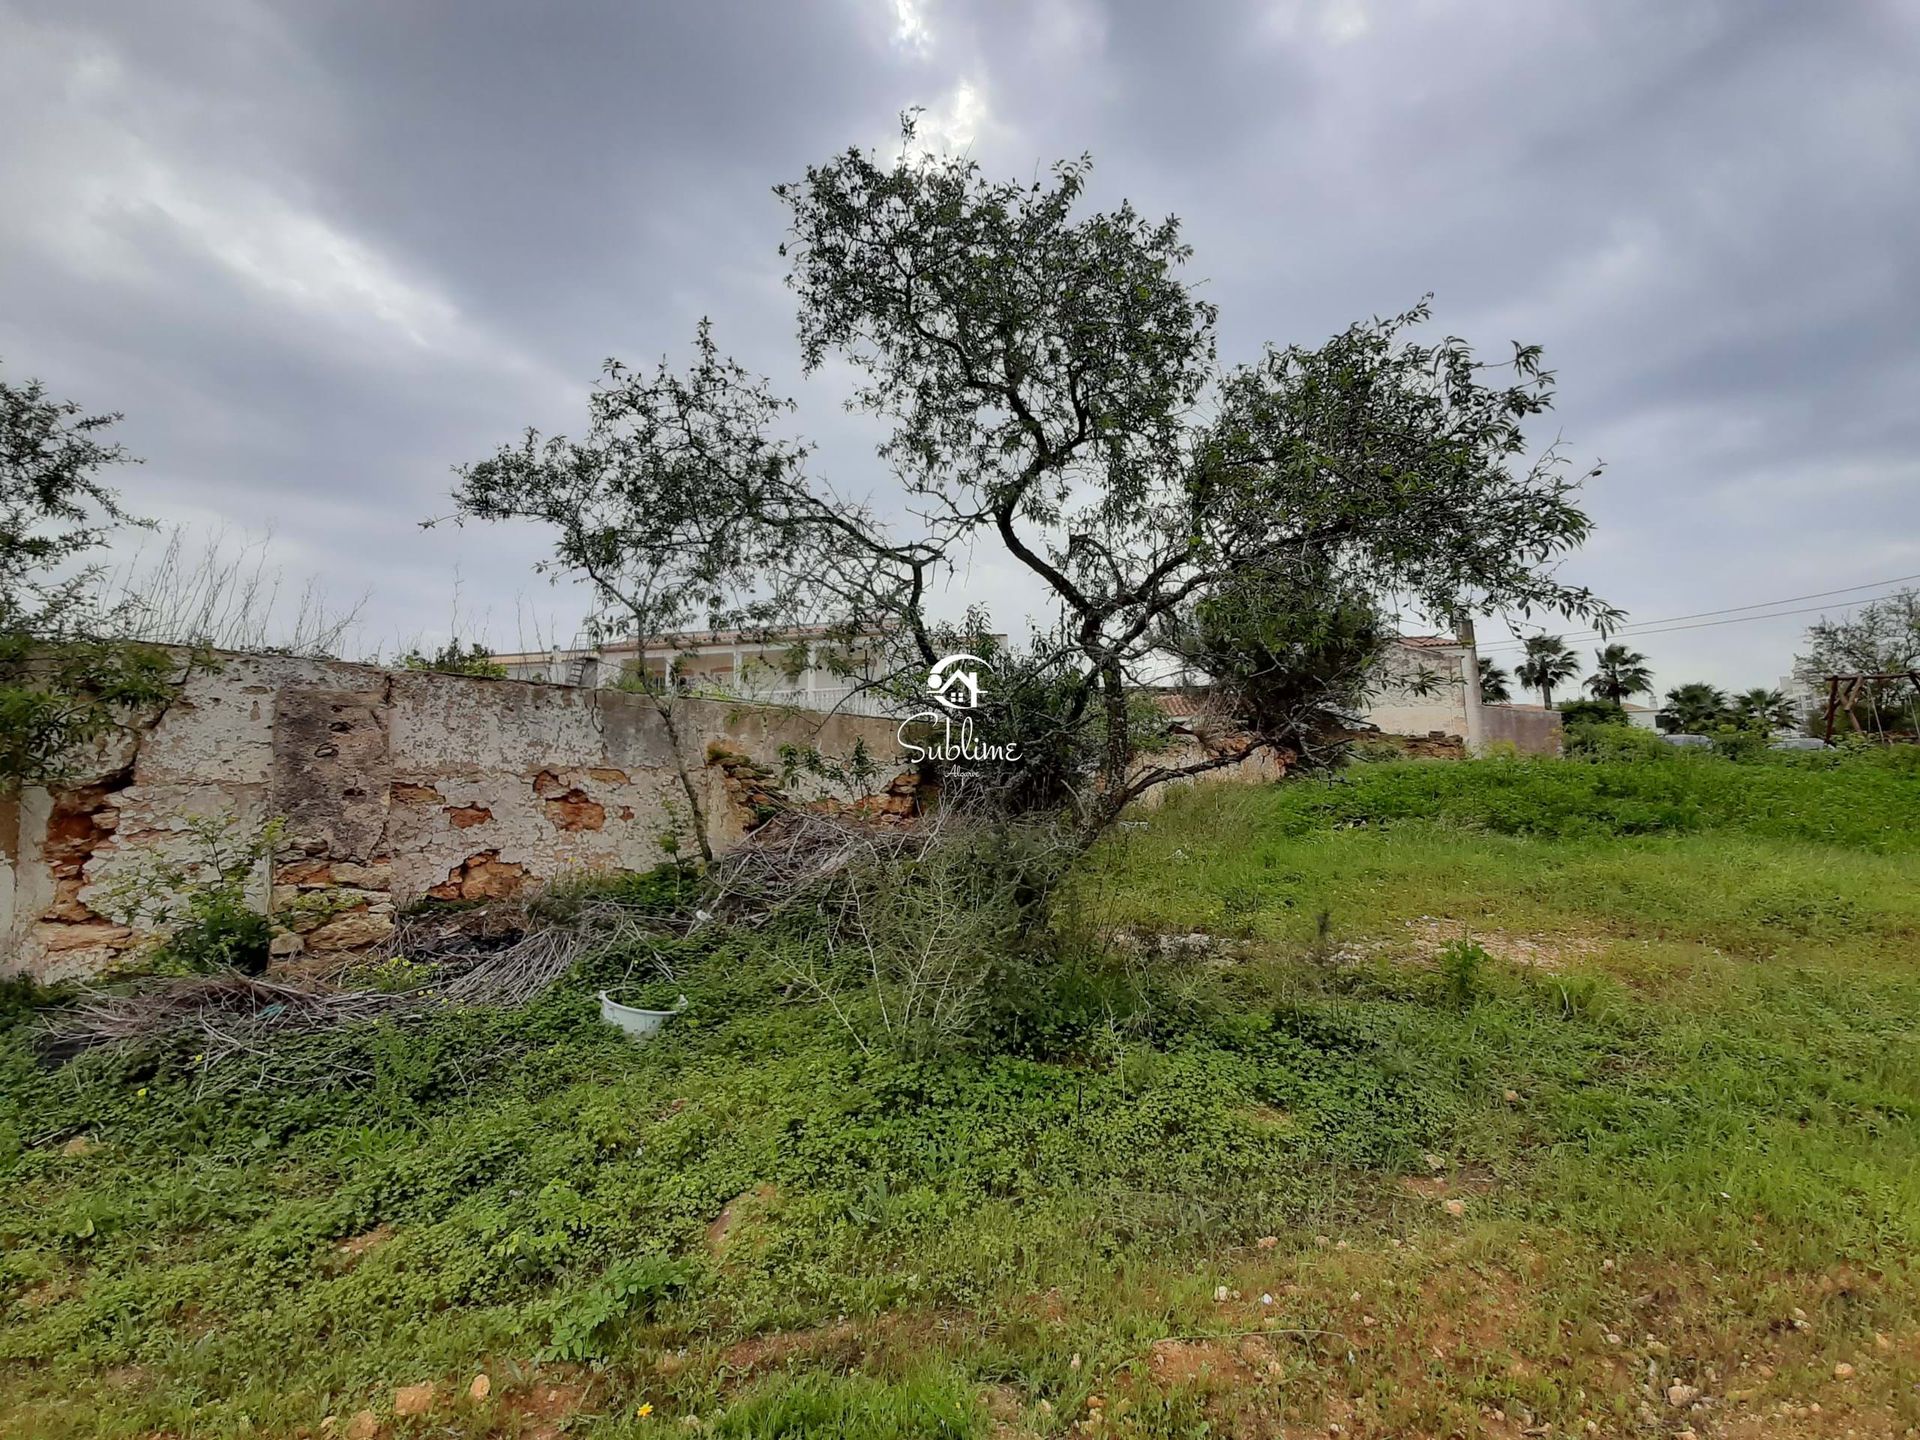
(1431, 684)
(806, 666)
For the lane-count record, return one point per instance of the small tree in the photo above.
(1618, 673)
(65, 683)
(1882, 637)
(1050, 384)
(1693, 708)
(1548, 663)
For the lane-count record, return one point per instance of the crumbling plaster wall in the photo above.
(1429, 691)
(393, 785)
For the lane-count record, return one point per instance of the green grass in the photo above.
(1674, 1093)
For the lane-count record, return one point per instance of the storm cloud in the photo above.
(318, 254)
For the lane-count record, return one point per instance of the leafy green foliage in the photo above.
(856, 1407)
(1762, 709)
(1880, 637)
(60, 698)
(53, 507)
(65, 684)
(454, 659)
(1494, 686)
(1863, 801)
(200, 897)
(1461, 965)
(1593, 712)
(1049, 378)
(1606, 739)
(1695, 708)
(1617, 673)
(1297, 652)
(631, 1289)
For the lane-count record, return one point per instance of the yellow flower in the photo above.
(645, 1410)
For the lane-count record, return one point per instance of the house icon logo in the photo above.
(954, 683)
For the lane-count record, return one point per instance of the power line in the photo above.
(1644, 627)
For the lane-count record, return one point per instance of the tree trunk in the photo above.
(664, 705)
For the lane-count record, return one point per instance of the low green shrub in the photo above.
(1607, 740)
(198, 897)
(1593, 712)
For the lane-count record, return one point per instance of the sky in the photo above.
(319, 254)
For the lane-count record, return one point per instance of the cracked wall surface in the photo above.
(393, 786)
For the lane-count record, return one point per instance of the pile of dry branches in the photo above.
(799, 854)
(232, 1013)
(501, 954)
(508, 952)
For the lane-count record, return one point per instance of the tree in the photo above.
(1548, 663)
(1693, 708)
(1762, 709)
(53, 508)
(451, 659)
(65, 682)
(1050, 386)
(1494, 686)
(1881, 638)
(1618, 673)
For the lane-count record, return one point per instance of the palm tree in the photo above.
(1763, 709)
(1549, 663)
(1693, 707)
(1494, 689)
(1618, 673)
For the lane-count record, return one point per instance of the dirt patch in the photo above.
(1448, 1184)
(1479, 1312)
(1432, 934)
(352, 1250)
(743, 1208)
(779, 1348)
(541, 1410)
(1202, 1362)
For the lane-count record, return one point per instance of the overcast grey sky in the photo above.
(320, 252)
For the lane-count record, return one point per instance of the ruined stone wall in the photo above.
(393, 785)
(1428, 691)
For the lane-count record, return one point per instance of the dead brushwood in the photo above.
(490, 955)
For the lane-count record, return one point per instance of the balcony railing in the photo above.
(845, 699)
